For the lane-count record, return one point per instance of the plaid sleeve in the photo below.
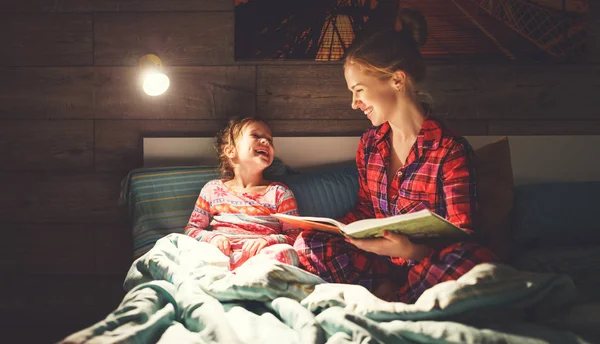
(459, 186)
(286, 204)
(198, 224)
(364, 205)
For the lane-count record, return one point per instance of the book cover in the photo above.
(421, 224)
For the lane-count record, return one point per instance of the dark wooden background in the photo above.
(72, 117)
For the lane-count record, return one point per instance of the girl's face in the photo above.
(254, 147)
(377, 99)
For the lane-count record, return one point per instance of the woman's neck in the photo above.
(407, 124)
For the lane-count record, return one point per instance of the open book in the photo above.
(421, 224)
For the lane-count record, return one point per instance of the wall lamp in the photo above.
(154, 81)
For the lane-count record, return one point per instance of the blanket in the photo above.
(181, 291)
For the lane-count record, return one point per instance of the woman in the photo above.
(407, 161)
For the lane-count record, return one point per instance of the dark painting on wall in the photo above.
(458, 30)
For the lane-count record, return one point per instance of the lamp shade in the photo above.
(154, 81)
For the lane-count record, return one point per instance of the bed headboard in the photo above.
(534, 158)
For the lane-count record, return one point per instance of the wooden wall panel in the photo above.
(47, 145)
(115, 92)
(318, 127)
(42, 197)
(53, 6)
(197, 38)
(460, 92)
(47, 248)
(515, 92)
(195, 93)
(46, 40)
(58, 299)
(113, 247)
(592, 53)
(46, 93)
(304, 92)
(65, 248)
(119, 142)
(332, 127)
(543, 127)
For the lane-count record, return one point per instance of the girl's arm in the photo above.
(286, 204)
(364, 205)
(198, 225)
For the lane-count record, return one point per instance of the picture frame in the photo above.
(537, 31)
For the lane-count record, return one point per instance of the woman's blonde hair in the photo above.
(386, 52)
(226, 138)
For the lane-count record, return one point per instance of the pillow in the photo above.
(495, 189)
(557, 214)
(328, 191)
(277, 169)
(160, 201)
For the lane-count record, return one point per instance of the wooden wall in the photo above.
(72, 116)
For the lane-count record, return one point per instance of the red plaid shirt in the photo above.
(438, 175)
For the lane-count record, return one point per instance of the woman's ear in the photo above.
(399, 80)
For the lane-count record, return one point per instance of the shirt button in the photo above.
(399, 173)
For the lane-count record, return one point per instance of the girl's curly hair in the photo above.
(227, 137)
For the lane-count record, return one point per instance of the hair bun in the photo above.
(414, 24)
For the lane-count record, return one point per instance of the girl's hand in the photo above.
(391, 244)
(222, 243)
(252, 247)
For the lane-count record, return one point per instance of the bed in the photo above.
(180, 290)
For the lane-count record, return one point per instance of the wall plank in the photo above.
(42, 197)
(46, 93)
(47, 145)
(467, 127)
(59, 299)
(119, 142)
(46, 40)
(593, 28)
(195, 93)
(179, 39)
(304, 92)
(52, 6)
(460, 92)
(550, 92)
(115, 92)
(101, 249)
(543, 127)
(324, 127)
(47, 248)
(113, 247)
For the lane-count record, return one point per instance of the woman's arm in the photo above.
(364, 205)
(459, 186)
(394, 245)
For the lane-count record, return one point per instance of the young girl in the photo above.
(234, 213)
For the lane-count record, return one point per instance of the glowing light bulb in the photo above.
(155, 83)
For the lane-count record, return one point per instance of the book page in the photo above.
(421, 224)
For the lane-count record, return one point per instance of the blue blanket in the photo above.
(182, 291)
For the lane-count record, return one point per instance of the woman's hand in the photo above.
(223, 243)
(252, 247)
(393, 245)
